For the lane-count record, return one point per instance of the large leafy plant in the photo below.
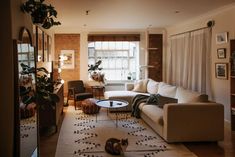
(44, 87)
(41, 13)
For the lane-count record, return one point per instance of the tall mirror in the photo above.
(40, 45)
(28, 117)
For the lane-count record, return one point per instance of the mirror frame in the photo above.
(17, 118)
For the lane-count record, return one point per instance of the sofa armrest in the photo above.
(193, 122)
(129, 86)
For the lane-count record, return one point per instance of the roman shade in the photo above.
(113, 37)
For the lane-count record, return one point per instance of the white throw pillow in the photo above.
(167, 90)
(187, 96)
(141, 86)
(152, 86)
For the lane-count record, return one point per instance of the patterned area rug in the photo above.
(81, 135)
(28, 136)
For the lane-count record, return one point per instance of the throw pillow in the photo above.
(166, 90)
(152, 86)
(187, 96)
(141, 86)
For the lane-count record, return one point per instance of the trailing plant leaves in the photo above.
(40, 13)
(28, 99)
(24, 90)
(45, 88)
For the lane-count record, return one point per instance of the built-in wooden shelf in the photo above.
(232, 87)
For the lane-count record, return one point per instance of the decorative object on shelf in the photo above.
(222, 38)
(66, 59)
(221, 70)
(129, 75)
(95, 72)
(221, 53)
(41, 13)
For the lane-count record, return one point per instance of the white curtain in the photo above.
(189, 61)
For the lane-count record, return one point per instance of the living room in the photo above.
(95, 18)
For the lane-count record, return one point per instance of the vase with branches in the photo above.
(95, 71)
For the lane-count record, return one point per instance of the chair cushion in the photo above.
(82, 96)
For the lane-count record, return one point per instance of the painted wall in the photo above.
(69, 42)
(224, 22)
(13, 19)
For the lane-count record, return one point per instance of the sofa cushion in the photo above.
(152, 86)
(154, 113)
(141, 86)
(123, 95)
(187, 96)
(167, 90)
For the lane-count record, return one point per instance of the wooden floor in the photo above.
(224, 148)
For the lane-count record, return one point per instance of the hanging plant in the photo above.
(41, 13)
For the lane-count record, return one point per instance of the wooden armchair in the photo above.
(77, 92)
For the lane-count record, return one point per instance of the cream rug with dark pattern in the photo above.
(81, 135)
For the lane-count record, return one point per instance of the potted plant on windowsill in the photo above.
(41, 13)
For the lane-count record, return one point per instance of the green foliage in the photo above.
(41, 13)
(95, 67)
(44, 88)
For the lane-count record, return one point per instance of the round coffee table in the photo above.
(112, 104)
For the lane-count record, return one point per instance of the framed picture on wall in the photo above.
(221, 70)
(222, 38)
(67, 59)
(221, 53)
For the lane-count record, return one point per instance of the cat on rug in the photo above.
(115, 146)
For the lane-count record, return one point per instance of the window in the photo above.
(120, 59)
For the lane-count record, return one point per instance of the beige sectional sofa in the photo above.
(193, 118)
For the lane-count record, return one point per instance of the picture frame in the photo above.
(222, 38)
(221, 70)
(221, 53)
(67, 59)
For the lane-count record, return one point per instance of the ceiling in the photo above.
(130, 14)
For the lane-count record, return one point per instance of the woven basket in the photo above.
(89, 106)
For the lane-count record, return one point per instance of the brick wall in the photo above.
(155, 57)
(68, 42)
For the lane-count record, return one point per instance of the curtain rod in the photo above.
(189, 31)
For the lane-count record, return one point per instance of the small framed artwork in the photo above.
(221, 53)
(222, 38)
(221, 70)
(67, 59)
